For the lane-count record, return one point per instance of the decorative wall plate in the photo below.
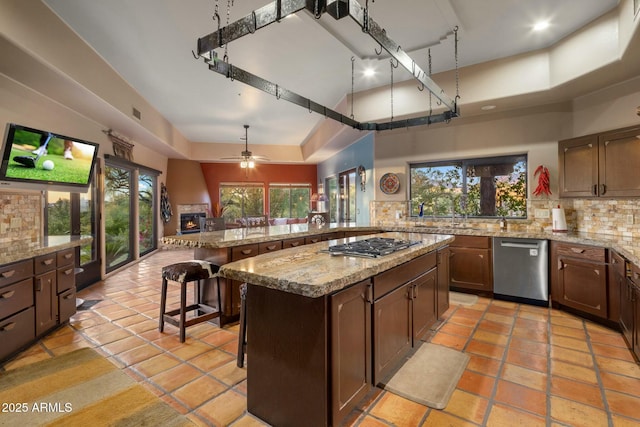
(389, 183)
(318, 219)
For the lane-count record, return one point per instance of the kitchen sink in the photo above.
(448, 227)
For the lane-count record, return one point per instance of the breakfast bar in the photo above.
(324, 328)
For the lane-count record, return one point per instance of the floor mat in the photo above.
(430, 376)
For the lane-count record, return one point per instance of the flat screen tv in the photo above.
(41, 160)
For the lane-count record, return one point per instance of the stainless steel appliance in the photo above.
(521, 270)
(371, 248)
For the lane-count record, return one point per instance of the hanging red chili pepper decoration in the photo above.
(543, 181)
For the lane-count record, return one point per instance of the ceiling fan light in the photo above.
(251, 164)
(244, 164)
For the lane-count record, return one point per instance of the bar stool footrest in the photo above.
(210, 314)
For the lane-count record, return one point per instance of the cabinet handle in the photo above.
(7, 295)
(577, 250)
(69, 296)
(603, 189)
(369, 294)
(48, 261)
(595, 189)
(294, 244)
(39, 285)
(68, 256)
(8, 327)
(8, 273)
(246, 251)
(481, 256)
(68, 272)
(270, 248)
(560, 264)
(415, 292)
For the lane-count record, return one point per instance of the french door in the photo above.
(347, 196)
(77, 214)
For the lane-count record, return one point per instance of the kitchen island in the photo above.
(323, 329)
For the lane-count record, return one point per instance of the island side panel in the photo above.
(287, 358)
(229, 289)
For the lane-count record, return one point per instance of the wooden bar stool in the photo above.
(186, 272)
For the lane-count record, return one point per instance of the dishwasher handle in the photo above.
(519, 245)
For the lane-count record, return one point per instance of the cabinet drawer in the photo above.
(245, 251)
(292, 243)
(66, 305)
(12, 273)
(44, 263)
(331, 236)
(16, 332)
(583, 252)
(480, 242)
(16, 297)
(387, 281)
(66, 278)
(312, 239)
(66, 257)
(270, 247)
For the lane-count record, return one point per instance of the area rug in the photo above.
(80, 388)
(459, 298)
(430, 376)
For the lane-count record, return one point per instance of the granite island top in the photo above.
(23, 249)
(305, 270)
(629, 247)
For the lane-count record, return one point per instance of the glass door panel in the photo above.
(146, 218)
(333, 198)
(117, 215)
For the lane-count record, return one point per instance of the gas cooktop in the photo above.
(374, 247)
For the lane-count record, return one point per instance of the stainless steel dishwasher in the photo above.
(521, 270)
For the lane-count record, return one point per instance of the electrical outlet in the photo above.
(630, 219)
(542, 213)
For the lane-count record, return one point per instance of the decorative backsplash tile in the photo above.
(20, 220)
(606, 216)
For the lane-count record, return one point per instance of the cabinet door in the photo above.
(583, 285)
(46, 300)
(470, 268)
(627, 312)
(442, 294)
(424, 303)
(578, 166)
(391, 331)
(350, 348)
(636, 324)
(619, 155)
(617, 281)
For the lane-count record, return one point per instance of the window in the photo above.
(483, 187)
(289, 200)
(241, 201)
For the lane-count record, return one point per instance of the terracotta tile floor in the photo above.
(529, 366)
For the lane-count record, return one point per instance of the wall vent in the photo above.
(136, 113)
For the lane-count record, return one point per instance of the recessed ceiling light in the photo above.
(369, 72)
(541, 25)
(487, 107)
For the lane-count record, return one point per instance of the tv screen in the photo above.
(33, 158)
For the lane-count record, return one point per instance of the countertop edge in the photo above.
(54, 244)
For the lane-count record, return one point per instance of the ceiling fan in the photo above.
(246, 157)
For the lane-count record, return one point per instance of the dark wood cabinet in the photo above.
(404, 308)
(627, 312)
(16, 307)
(350, 348)
(470, 267)
(616, 284)
(391, 330)
(603, 164)
(634, 310)
(579, 279)
(442, 292)
(45, 293)
(423, 294)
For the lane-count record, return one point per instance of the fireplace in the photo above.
(190, 222)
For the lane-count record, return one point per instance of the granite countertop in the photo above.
(317, 273)
(21, 250)
(243, 236)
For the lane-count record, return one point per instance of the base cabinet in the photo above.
(350, 348)
(580, 278)
(633, 311)
(442, 292)
(423, 310)
(471, 264)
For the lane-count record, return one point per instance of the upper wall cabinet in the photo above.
(601, 165)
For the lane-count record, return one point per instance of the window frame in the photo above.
(290, 187)
(454, 196)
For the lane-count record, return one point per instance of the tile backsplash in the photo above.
(20, 220)
(606, 216)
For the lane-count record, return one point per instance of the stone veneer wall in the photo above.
(607, 216)
(20, 220)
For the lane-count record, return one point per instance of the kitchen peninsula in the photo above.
(324, 328)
